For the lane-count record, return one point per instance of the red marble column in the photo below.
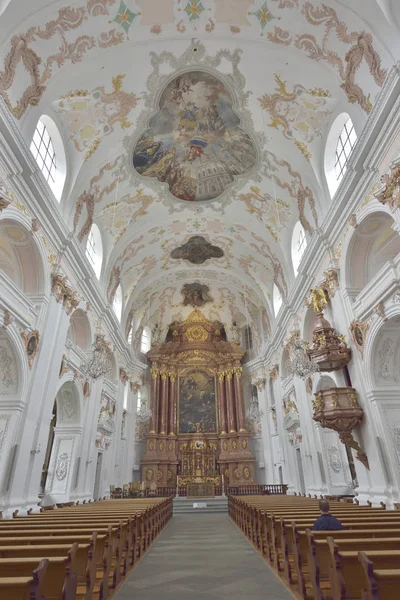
(241, 416)
(172, 404)
(164, 403)
(222, 403)
(154, 401)
(230, 402)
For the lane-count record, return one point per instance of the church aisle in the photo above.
(202, 556)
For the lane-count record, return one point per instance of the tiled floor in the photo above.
(202, 556)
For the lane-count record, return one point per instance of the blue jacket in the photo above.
(326, 522)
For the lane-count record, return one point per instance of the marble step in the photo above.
(200, 505)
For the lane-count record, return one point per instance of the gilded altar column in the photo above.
(154, 400)
(164, 402)
(172, 404)
(222, 402)
(230, 401)
(241, 417)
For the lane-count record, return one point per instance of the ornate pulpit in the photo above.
(197, 430)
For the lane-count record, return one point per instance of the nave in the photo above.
(202, 556)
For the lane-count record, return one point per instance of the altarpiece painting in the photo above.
(197, 405)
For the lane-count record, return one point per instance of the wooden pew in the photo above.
(346, 573)
(380, 584)
(25, 588)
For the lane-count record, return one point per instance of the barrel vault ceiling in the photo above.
(252, 87)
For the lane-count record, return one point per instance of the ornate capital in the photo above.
(123, 375)
(238, 372)
(135, 386)
(63, 292)
(274, 372)
(260, 384)
(390, 193)
(4, 200)
(7, 319)
(331, 282)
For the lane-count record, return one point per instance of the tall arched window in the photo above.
(130, 335)
(126, 392)
(299, 244)
(139, 400)
(346, 142)
(339, 145)
(94, 249)
(276, 299)
(48, 150)
(145, 340)
(117, 303)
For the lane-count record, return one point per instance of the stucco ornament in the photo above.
(358, 331)
(197, 250)
(64, 293)
(4, 199)
(390, 194)
(214, 156)
(62, 466)
(334, 459)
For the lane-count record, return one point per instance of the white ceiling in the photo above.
(289, 75)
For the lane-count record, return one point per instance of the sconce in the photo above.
(37, 451)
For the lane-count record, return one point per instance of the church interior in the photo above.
(199, 299)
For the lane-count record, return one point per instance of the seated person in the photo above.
(326, 522)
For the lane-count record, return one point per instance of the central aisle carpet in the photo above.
(202, 556)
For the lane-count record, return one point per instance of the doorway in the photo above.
(300, 470)
(97, 480)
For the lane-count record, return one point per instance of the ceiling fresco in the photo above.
(195, 133)
(197, 250)
(195, 143)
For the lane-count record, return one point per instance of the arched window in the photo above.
(276, 299)
(139, 400)
(48, 150)
(339, 145)
(117, 303)
(248, 337)
(299, 244)
(145, 340)
(126, 392)
(130, 335)
(94, 249)
(346, 142)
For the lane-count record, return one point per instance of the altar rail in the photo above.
(257, 490)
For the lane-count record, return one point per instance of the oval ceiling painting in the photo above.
(195, 142)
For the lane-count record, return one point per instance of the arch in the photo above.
(385, 355)
(68, 405)
(94, 249)
(341, 125)
(299, 245)
(372, 245)
(276, 299)
(325, 382)
(48, 150)
(21, 258)
(79, 331)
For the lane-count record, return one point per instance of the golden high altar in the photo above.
(197, 431)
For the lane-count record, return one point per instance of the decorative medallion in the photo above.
(195, 143)
(358, 331)
(196, 294)
(236, 473)
(197, 250)
(390, 193)
(244, 444)
(246, 473)
(196, 333)
(159, 475)
(151, 445)
(225, 445)
(31, 339)
(149, 474)
(169, 475)
(234, 444)
(170, 447)
(62, 466)
(161, 446)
